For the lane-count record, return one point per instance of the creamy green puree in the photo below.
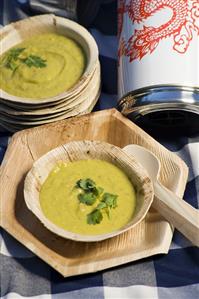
(64, 64)
(59, 196)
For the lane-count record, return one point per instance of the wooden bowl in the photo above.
(15, 33)
(84, 150)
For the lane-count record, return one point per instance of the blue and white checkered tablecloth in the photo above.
(175, 275)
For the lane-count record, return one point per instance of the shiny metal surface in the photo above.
(159, 98)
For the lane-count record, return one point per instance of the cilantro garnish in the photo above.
(98, 191)
(89, 195)
(101, 206)
(87, 198)
(13, 59)
(15, 52)
(110, 200)
(95, 217)
(33, 60)
(86, 184)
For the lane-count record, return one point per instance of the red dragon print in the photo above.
(182, 24)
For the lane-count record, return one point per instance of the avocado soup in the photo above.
(42, 66)
(88, 197)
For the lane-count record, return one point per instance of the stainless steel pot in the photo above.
(158, 63)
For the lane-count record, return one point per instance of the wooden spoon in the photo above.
(177, 211)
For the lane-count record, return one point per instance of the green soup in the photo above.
(59, 196)
(58, 65)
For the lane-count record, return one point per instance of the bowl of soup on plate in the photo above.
(45, 58)
(88, 191)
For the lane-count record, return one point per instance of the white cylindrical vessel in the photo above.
(158, 61)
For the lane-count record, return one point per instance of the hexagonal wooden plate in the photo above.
(152, 236)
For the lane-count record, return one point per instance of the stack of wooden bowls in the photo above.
(18, 113)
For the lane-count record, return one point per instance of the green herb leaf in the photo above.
(12, 56)
(87, 198)
(33, 60)
(86, 184)
(110, 200)
(15, 52)
(11, 65)
(98, 191)
(101, 205)
(90, 194)
(95, 217)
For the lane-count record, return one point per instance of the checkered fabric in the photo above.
(175, 275)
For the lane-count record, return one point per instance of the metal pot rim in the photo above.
(158, 98)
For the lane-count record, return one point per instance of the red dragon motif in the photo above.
(180, 26)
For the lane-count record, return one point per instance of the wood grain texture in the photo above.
(182, 215)
(151, 236)
(178, 212)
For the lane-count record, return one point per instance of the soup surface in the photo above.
(42, 66)
(66, 204)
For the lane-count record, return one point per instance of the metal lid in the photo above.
(152, 99)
